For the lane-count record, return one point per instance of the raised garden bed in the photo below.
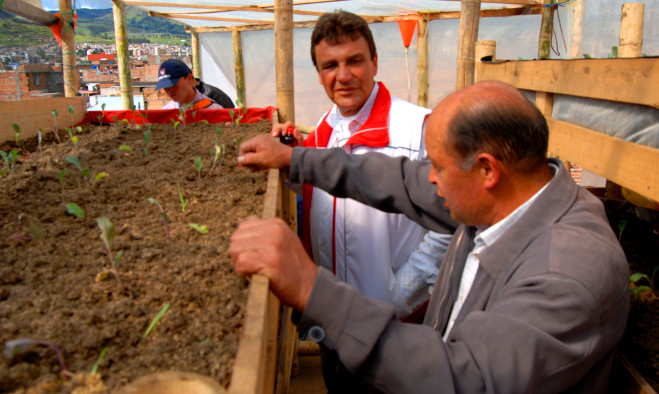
(54, 280)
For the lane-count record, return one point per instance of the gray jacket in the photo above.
(546, 311)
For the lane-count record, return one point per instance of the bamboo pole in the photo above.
(196, 55)
(469, 19)
(236, 36)
(121, 40)
(484, 49)
(631, 30)
(69, 69)
(422, 64)
(546, 28)
(577, 29)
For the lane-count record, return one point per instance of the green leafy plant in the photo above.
(614, 52)
(17, 134)
(218, 150)
(184, 202)
(639, 276)
(19, 346)
(147, 140)
(99, 359)
(155, 320)
(75, 210)
(71, 109)
(200, 228)
(198, 165)
(163, 214)
(102, 115)
(54, 113)
(622, 225)
(10, 160)
(84, 172)
(107, 234)
(125, 148)
(60, 176)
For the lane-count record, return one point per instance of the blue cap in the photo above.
(170, 71)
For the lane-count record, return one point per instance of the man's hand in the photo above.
(281, 129)
(269, 247)
(262, 153)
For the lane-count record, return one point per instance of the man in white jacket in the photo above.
(362, 246)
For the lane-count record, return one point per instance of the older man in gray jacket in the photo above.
(532, 294)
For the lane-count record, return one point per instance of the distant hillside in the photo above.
(93, 26)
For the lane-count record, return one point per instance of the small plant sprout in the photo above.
(100, 176)
(76, 162)
(34, 230)
(200, 228)
(198, 165)
(163, 214)
(39, 137)
(622, 225)
(75, 210)
(102, 115)
(54, 113)
(639, 276)
(147, 140)
(184, 202)
(218, 156)
(16, 347)
(71, 110)
(156, 320)
(60, 176)
(99, 359)
(10, 160)
(17, 134)
(125, 148)
(107, 234)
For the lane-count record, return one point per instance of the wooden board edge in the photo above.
(626, 379)
(605, 79)
(31, 115)
(628, 164)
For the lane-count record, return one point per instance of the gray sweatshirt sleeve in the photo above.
(390, 184)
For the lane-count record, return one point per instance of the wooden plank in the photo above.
(35, 14)
(625, 379)
(607, 79)
(31, 115)
(249, 369)
(271, 196)
(628, 164)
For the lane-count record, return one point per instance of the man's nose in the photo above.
(343, 73)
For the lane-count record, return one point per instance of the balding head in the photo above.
(491, 117)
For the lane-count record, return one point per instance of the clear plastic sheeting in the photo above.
(634, 123)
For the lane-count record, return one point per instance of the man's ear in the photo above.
(489, 168)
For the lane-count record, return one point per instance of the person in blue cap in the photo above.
(180, 85)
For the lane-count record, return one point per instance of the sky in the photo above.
(100, 4)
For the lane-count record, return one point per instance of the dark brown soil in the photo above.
(50, 260)
(640, 240)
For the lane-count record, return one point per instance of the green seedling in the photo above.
(34, 230)
(16, 347)
(614, 53)
(54, 113)
(100, 176)
(639, 276)
(198, 165)
(71, 110)
(102, 115)
(184, 202)
(17, 134)
(218, 154)
(107, 234)
(147, 139)
(75, 210)
(126, 148)
(622, 224)
(156, 320)
(163, 214)
(99, 359)
(200, 228)
(60, 176)
(10, 160)
(39, 137)
(83, 171)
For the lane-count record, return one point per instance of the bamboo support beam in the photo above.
(546, 28)
(30, 12)
(422, 64)
(196, 55)
(71, 78)
(631, 30)
(236, 37)
(484, 50)
(121, 40)
(469, 21)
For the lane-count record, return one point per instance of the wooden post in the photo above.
(484, 49)
(286, 107)
(631, 30)
(546, 28)
(69, 69)
(121, 40)
(422, 64)
(470, 11)
(196, 56)
(236, 37)
(577, 29)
